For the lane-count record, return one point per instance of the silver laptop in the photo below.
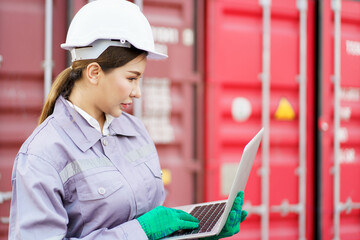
(213, 215)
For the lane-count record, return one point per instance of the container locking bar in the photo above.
(138, 104)
(265, 115)
(302, 7)
(48, 62)
(336, 7)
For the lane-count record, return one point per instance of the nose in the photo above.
(136, 91)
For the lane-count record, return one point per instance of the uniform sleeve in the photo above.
(37, 210)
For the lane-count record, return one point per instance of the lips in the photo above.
(125, 106)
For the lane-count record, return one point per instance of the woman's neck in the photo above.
(84, 100)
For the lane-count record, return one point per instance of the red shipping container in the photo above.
(259, 64)
(171, 88)
(247, 86)
(339, 121)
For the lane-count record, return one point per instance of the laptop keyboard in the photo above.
(208, 216)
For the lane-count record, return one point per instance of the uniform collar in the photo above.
(92, 121)
(81, 132)
(124, 125)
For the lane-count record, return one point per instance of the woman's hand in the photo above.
(236, 216)
(162, 221)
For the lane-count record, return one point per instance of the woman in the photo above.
(89, 170)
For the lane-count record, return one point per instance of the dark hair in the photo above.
(112, 57)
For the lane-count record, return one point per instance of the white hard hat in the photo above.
(103, 23)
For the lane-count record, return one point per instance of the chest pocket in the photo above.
(103, 195)
(99, 185)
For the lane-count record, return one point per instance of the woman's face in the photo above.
(119, 86)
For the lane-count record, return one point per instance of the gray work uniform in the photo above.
(71, 182)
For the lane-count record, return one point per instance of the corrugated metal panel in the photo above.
(339, 121)
(234, 111)
(170, 112)
(21, 79)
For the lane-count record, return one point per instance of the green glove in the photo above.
(162, 221)
(236, 216)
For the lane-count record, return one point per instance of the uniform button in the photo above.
(101, 190)
(105, 142)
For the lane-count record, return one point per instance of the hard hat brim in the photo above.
(94, 50)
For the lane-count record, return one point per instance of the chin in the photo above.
(116, 114)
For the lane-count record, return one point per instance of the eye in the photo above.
(132, 78)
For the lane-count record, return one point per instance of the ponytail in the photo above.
(54, 93)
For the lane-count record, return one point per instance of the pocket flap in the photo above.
(98, 185)
(155, 170)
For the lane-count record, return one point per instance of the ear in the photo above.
(93, 71)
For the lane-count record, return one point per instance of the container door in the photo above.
(21, 81)
(170, 97)
(339, 121)
(259, 65)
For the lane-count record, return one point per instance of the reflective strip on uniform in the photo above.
(81, 165)
(139, 153)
